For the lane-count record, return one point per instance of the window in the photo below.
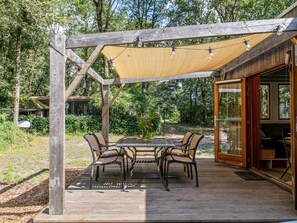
(264, 100)
(284, 101)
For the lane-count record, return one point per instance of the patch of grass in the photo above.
(10, 174)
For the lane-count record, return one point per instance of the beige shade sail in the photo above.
(158, 62)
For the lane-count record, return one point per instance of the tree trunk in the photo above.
(17, 77)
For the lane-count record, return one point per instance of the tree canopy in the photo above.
(26, 27)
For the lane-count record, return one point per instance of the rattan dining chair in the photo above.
(103, 157)
(104, 146)
(179, 149)
(187, 158)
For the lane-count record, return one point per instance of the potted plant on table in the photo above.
(148, 125)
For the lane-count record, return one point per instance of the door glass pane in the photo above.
(284, 101)
(264, 101)
(230, 104)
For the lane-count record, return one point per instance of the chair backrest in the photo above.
(93, 145)
(100, 141)
(186, 139)
(195, 140)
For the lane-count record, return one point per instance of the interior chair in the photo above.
(286, 138)
(103, 157)
(105, 146)
(187, 158)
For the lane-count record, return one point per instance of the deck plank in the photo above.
(221, 197)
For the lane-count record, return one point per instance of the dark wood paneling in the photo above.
(269, 60)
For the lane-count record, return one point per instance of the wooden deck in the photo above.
(222, 197)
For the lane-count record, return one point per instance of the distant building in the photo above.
(76, 105)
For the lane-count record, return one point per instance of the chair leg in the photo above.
(97, 173)
(188, 170)
(164, 168)
(103, 169)
(91, 177)
(167, 172)
(196, 173)
(124, 169)
(289, 166)
(127, 163)
(191, 171)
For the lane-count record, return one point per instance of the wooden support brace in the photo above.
(83, 71)
(105, 114)
(57, 126)
(79, 62)
(114, 97)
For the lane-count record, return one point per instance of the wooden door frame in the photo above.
(293, 91)
(229, 158)
(254, 127)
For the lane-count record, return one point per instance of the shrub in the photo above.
(10, 134)
(39, 124)
(123, 124)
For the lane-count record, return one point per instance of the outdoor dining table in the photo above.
(134, 145)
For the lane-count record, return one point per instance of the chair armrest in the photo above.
(109, 150)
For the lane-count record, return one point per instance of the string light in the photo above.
(210, 53)
(172, 54)
(280, 30)
(247, 45)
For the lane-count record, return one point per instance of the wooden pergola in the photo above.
(61, 50)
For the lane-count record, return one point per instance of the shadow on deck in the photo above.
(221, 197)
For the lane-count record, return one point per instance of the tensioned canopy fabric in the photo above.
(157, 62)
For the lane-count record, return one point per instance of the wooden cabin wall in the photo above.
(270, 60)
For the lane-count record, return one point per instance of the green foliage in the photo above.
(39, 124)
(10, 134)
(124, 124)
(148, 123)
(10, 174)
(84, 124)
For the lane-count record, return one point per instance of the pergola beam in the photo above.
(140, 80)
(83, 71)
(183, 32)
(73, 57)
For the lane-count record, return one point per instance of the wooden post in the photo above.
(57, 125)
(105, 112)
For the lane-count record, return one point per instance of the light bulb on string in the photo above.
(247, 45)
(173, 51)
(280, 30)
(210, 53)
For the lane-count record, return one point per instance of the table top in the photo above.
(136, 142)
